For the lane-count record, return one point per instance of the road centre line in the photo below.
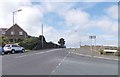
(59, 63)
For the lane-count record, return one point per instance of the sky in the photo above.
(73, 20)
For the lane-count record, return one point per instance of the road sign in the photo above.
(92, 37)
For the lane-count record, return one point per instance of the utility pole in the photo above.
(42, 35)
(80, 43)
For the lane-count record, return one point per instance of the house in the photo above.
(15, 33)
(3, 31)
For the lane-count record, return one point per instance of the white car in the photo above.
(13, 48)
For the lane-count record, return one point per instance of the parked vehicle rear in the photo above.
(1, 50)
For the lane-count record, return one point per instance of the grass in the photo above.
(27, 50)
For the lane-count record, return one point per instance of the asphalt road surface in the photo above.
(56, 62)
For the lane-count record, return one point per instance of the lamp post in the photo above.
(13, 20)
(80, 43)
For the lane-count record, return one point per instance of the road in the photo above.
(56, 62)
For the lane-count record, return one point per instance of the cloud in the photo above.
(76, 17)
(77, 21)
(30, 19)
(75, 0)
(6, 9)
(113, 11)
(111, 40)
(108, 28)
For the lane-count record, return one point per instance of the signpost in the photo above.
(92, 37)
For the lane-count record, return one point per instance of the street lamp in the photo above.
(13, 20)
(14, 14)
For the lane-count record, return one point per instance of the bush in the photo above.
(4, 40)
(29, 43)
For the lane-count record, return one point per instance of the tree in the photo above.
(61, 42)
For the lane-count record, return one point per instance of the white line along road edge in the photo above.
(37, 53)
(94, 56)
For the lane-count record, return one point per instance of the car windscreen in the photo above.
(7, 45)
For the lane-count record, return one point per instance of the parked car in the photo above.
(1, 50)
(13, 48)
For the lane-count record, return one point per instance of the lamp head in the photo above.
(19, 10)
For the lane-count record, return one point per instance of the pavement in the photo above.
(88, 53)
(57, 62)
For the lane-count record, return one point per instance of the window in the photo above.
(20, 33)
(12, 33)
(3, 32)
(14, 46)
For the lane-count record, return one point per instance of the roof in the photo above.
(17, 26)
(3, 29)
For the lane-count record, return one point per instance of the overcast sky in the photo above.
(73, 21)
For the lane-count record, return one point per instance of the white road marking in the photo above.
(59, 64)
(105, 58)
(31, 54)
(10, 55)
(52, 50)
(94, 56)
(37, 53)
(21, 56)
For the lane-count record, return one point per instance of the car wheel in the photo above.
(13, 51)
(3, 53)
(23, 50)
